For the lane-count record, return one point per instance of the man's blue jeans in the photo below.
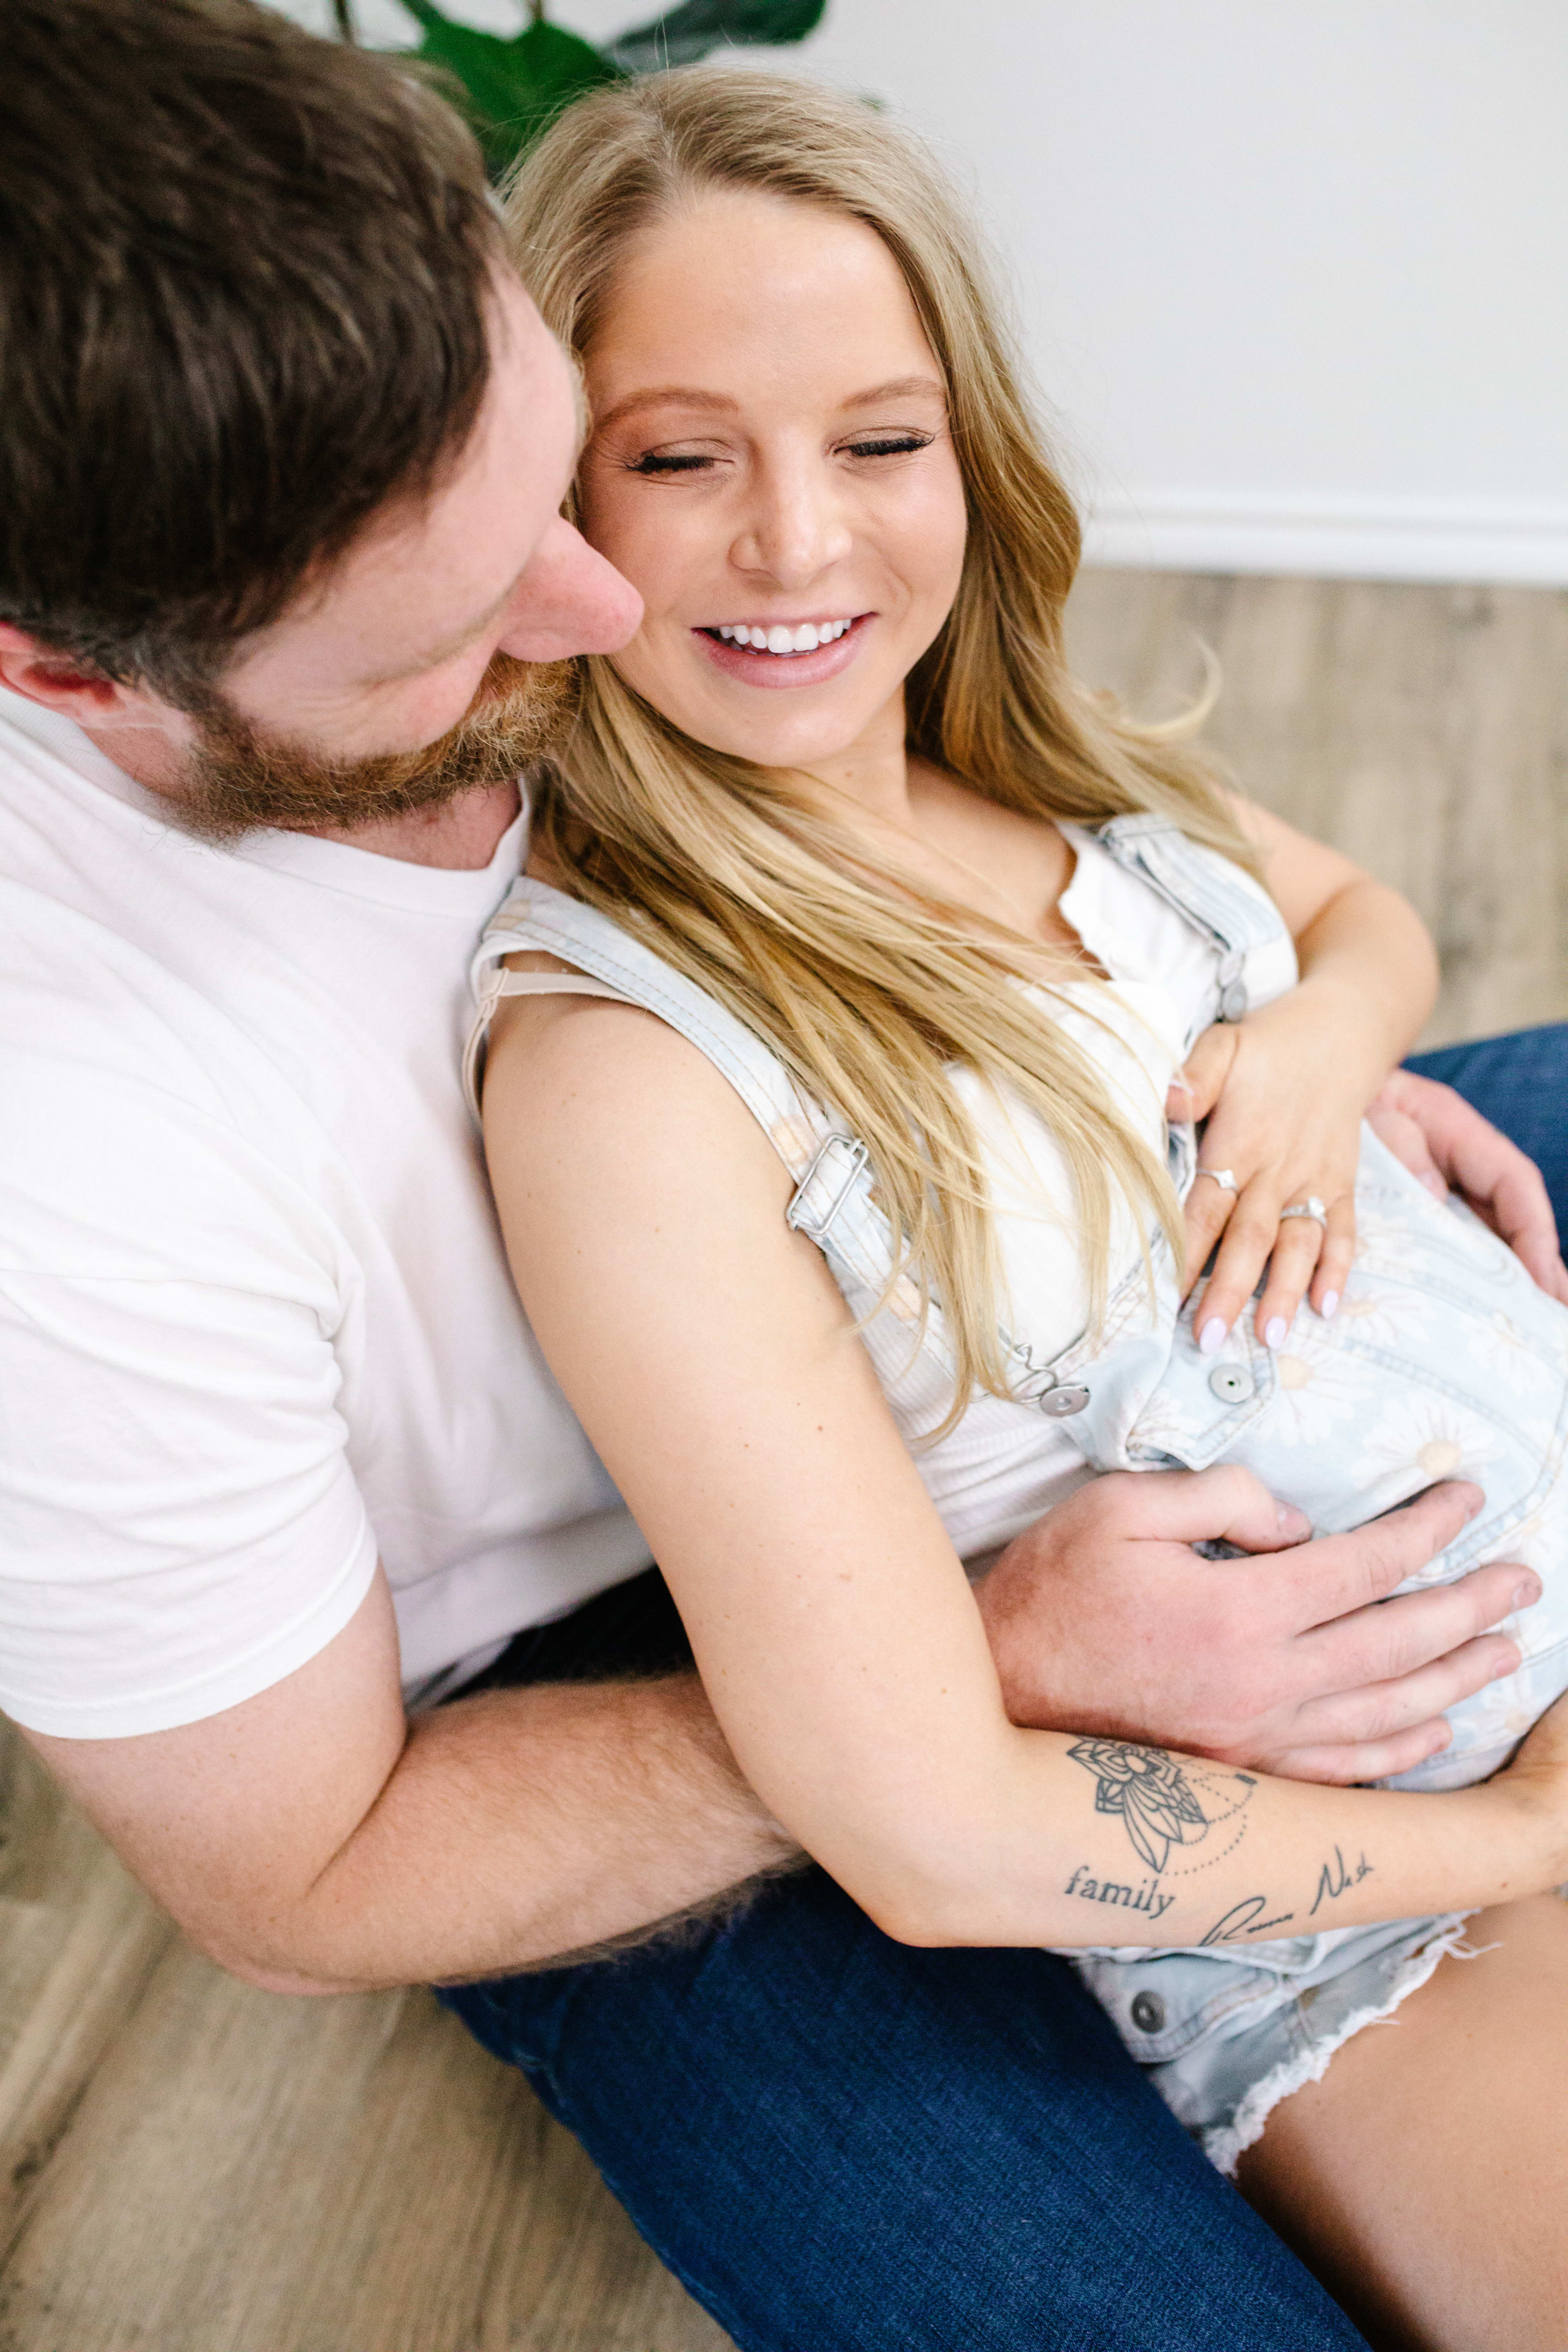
(841, 2144)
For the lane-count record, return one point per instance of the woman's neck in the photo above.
(928, 827)
(869, 781)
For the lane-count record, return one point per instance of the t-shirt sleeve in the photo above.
(180, 1525)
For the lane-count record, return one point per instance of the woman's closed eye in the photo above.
(901, 444)
(655, 463)
(670, 461)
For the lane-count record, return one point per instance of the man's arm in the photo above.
(311, 1841)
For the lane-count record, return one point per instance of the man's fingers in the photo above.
(1225, 1505)
(1519, 1210)
(1389, 1709)
(1343, 1573)
(1398, 1130)
(1372, 1760)
(1383, 1643)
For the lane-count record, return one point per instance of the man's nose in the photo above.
(794, 529)
(570, 601)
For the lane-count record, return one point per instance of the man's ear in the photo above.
(58, 680)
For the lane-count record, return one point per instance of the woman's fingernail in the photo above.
(1293, 1523)
(1526, 1592)
(1440, 1739)
(1434, 1184)
(1211, 1339)
(1276, 1330)
(1330, 1306)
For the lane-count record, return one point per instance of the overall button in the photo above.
(1232, 1383)
(1060, 1403)
(1233, 1000)
(1148, 2012)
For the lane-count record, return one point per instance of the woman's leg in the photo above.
(1426, 2177)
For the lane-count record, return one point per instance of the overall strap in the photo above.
(535, 916)
(1208, 891)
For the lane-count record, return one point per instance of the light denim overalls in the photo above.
(1445, 1359)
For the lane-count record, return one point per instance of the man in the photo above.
(283, 573)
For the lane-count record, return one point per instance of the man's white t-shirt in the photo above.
(256, 1325)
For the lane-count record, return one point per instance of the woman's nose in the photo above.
(570, 599)
(794, 528)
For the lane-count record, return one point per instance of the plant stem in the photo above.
(536, 11)
(344, 15)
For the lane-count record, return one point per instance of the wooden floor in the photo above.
(187, 2166)
(1423, 730)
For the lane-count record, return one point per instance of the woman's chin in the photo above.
(770, 730)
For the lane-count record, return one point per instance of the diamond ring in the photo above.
(1224, 1177)
(1310, 1207)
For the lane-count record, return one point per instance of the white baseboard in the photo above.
(1332, 539)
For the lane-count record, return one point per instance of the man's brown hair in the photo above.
(243, 291)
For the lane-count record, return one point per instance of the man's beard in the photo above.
(240, 778)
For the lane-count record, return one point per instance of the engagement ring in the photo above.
(1310, 1207)
(1224, 1177)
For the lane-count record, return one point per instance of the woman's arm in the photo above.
(1284, 1091)
(715, 1368)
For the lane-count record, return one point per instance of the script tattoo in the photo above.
(1153, 1794)
(1242, 1919)
(1336, 1875)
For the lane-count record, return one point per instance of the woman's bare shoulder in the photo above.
(604, 1085)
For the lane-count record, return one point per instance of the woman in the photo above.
(828, 1113)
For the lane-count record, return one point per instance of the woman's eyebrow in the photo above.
(664, 396)
(679, 395)
(900, 387)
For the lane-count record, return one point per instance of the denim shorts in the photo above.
(1224, 2039)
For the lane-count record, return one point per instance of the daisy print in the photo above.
(1415, 1440)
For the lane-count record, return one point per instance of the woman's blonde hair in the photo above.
(870, 988)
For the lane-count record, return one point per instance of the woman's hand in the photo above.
(1283, 1093)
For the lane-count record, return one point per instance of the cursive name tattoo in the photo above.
(1336, 1875)
(1242, 1919)
(1146, 1896)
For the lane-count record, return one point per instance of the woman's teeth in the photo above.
(780, 640)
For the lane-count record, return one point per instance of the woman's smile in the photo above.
(770, 653)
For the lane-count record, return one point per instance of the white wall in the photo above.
(1295, 272)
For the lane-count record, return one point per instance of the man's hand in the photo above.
(1452, 1147)
(1103, 1618)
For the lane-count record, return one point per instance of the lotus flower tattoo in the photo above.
(1149, 1791)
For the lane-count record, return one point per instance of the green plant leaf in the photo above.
(513, 87)
(693, 30)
